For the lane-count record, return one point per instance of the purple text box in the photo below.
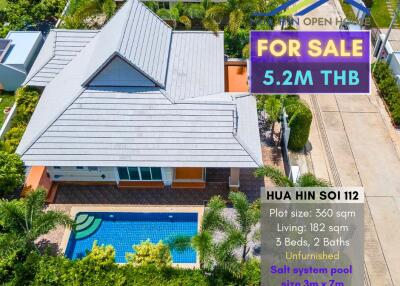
(302, 73)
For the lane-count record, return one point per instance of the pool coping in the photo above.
(199, 209)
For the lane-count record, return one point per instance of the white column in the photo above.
(167, 176)
(234, 183)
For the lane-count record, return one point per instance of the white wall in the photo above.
(89, 175)
(102, 174)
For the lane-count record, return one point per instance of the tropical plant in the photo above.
(26, 99)
(148, 253)
(236, 13)
(231, 251)
(60, 271)
(12, 138)
(236, 45)
(101, 255)
(12, 173)
(280, 180)
(388, 89)
(300, 118)
(176, 14)
(81, 14)
(25, 220)
(273, 108)
(26, 14)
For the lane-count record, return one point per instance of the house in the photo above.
(17, 54)
(138, 105)
(391, 51)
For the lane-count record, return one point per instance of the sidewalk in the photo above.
(354, 144)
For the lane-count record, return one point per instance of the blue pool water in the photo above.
(122, 230)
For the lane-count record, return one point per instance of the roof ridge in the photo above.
(151, 11)
(126, 25)
(246, 149)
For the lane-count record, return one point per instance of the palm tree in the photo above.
(25, 220)
(231, 251)
(80, 12)
(176, 14)
(280, 180)
(235, 12)
(273, 108)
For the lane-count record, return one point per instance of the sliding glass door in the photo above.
(139, 174)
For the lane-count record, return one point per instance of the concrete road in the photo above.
(352, 144)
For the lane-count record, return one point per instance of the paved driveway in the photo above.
(352, 144)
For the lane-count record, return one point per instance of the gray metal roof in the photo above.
(140, 127)
(137, 35)
(60, 48)
(196, 66)
(191, 123)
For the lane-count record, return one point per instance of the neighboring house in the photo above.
(17, 54)
(138, 105)
(391, 51)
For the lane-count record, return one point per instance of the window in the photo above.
(139, 174)
(146, 174)
(156, 174)
(134, 173)
(123, 173)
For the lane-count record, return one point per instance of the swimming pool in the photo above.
(122, 230)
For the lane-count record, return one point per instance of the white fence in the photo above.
(359, 14)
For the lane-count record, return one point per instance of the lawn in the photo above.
(3, 4)
(7, 100)
(381, 14)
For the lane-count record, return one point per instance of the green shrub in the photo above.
(12, 138)
(388, 86)
(250, 275)
(235, 43)
(26, 99)
(148, 253)
(252, 272)
(381, 71)
(388, 89)
(300, 118)
(60, 271)
(12, 174)
(151, 276)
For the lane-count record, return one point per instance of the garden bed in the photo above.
(26, 100)
(7, 100)
(389, 90)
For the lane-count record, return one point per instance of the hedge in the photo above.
(60, 271)
(300, 118)
(12, 138)
(12, 173)
(26, 99)
(388, 89)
